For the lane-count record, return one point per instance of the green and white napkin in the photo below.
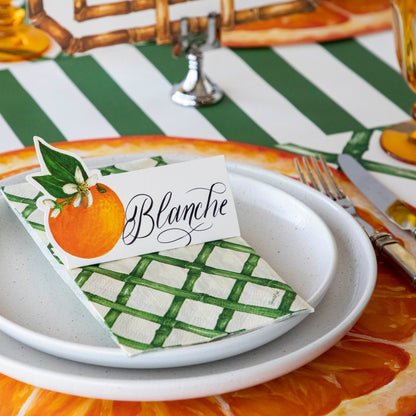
(172, 298)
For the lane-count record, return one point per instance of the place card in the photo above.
(90, 218)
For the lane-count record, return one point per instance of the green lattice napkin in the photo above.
(177, 297)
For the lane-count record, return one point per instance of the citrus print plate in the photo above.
(48, 317)
(347, 296)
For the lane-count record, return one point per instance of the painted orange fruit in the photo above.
(93, 231)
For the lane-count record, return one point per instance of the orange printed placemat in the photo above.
(333, 19)
(372, 370)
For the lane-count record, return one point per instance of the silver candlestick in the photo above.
(196, 89)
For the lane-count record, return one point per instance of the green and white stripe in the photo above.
(272, 94)
(146, 87)
(62, 102)
(341, 87)
(305, 98)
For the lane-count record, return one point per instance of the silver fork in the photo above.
(319, 176)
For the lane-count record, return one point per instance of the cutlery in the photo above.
(386, 201)
(321, 178)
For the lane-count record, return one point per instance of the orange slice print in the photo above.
(332, 19)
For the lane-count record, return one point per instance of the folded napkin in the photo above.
(177, 297)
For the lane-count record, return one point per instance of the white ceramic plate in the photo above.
(345, 300)
(278, 226)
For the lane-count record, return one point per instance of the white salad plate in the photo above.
(271, 234)
(277, 225)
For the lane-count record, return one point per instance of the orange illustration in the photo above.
(86, 218)
(92, 231)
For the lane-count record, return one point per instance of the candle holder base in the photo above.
(196, 89)
(187, 99)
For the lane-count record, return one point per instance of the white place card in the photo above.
(159, 208)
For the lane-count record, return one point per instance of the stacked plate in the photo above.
(49, 340)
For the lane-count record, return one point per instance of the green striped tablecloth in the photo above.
(331, 97)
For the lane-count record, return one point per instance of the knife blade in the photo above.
(385, 200)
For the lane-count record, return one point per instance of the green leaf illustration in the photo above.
(52, 185)
(100, 189)
(60, 165)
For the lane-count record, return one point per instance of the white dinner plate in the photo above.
(347, 296)
(284, 231)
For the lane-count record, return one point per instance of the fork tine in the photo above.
(327, 183)
(335, 188)
(319, 176)
(304, 167)
(322, 180)
(310, 175)
(300, 172)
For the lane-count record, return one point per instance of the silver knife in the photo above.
(385, 200)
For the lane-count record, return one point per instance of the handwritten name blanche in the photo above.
(173, 222)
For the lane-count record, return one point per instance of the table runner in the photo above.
(331, 97)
